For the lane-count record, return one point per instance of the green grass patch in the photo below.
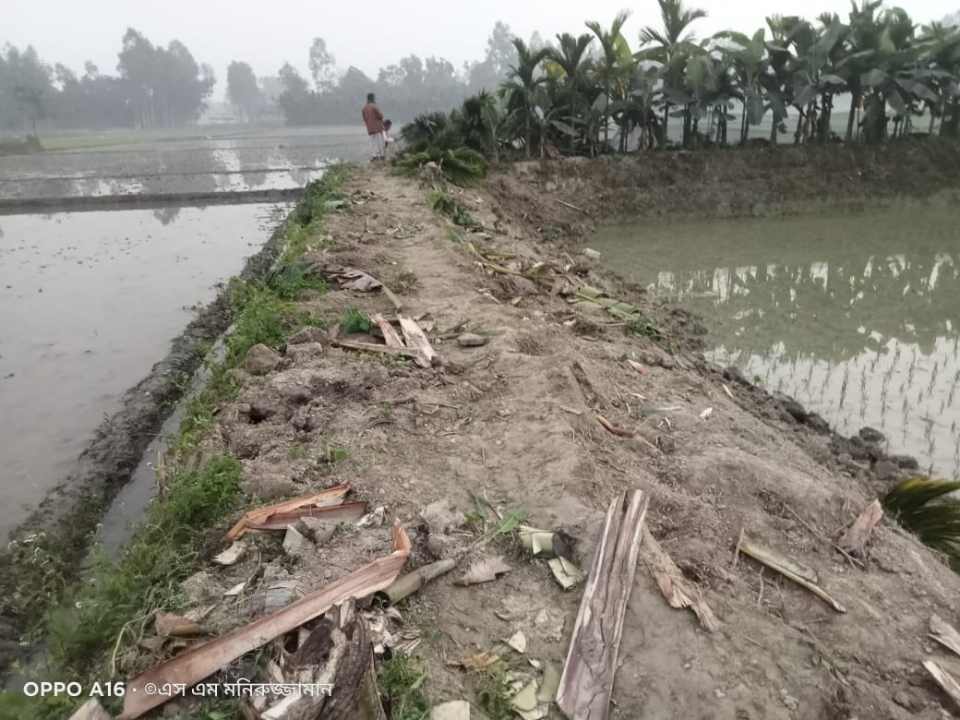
(334, 454)
(260, 316)
(148, 572)
(922, 506)
(401, 681)
(444, 204)
(293, 278)
(355, 321)
(494, 693)
(643, 327)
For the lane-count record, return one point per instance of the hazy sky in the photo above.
(365, 33)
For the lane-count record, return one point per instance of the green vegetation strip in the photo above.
(929, 508)
(92, 623)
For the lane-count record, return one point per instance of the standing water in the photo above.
(88, 303)
(856, 316)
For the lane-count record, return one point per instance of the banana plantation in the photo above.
(791, 81)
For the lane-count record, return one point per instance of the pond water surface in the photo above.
(855, 315)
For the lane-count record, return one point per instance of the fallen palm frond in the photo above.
(325, 498)
(921, 506)
(202, 661)
(945, 680)
(676, 589)
(460, 165)
(591, 664)
(801, 574)
(944, 633)
(637, 322)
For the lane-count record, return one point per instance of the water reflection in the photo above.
(196, 165)
(104, 292)
(167, 215)
(856, 316)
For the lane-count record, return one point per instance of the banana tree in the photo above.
(669, 46)
(635, 108)
(862, 46)
(747, 60)
(893, 59)
(814, 83)
(571, 57)
(708, 80)
(523, 80)
(614, 65)
(939, 69)
(546, 113)
(776, 81)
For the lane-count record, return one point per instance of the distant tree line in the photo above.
(586, 92)
(155, 86)
(404, 89)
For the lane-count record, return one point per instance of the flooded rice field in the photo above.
(857, 316)
(185, 161)
(90, 301)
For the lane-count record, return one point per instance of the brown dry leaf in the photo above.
(484, 570)
(480, 661)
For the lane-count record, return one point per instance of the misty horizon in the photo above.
(267, 41)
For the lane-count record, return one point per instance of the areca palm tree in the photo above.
(521, 85)
(614, 66)
(669, 43)
(571, 57)
(813, 76)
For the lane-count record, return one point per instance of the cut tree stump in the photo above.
(591, 664)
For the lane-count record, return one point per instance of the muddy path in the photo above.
(512, 424)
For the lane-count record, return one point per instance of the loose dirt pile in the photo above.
(509, 421)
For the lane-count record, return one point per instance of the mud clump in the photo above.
(260, 360)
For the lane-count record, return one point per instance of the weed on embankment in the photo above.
(92, 622)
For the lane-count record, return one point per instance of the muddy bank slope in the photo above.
(511, 420)
(754, 181)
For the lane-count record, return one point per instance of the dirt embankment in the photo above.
(514, 421)
(723, 183)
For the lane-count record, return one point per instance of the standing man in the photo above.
(373, 119)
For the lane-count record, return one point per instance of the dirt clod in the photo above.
(260, 360)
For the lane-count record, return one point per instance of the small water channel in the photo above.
(89, 301)
(855, 315)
